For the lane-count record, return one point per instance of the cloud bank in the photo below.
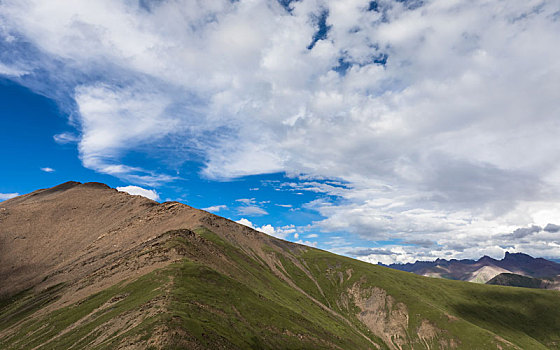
(441, 117)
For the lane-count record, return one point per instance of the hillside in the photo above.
(513, 280)
(84, 266)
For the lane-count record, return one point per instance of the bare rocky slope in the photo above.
(83, 266)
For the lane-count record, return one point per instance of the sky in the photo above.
(388, 131)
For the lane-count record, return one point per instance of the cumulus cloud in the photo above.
(525, 231)
(245, 222)
(139, 191)
(426, 243)
(5, 196)
(552, 228)
(278, 232)
(370, 251)
(531, 240)
(440, 118)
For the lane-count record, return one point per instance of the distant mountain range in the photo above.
(545, 273)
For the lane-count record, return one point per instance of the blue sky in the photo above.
(39, 161)
(388, 131)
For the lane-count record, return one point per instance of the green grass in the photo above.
(230, 298)
(23, 304)
(514, 280)
(218, 310)
(528, 318)
(35, 332)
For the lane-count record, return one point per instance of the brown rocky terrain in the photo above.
(61, 234)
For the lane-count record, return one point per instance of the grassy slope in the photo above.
(515, 280)
(242, 303)
(528, 318)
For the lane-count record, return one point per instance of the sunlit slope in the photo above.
(218, 285)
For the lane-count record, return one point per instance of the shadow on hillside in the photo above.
(513, 310)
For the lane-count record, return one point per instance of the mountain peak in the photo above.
(517, 257)
(487, 259)
(95, 185)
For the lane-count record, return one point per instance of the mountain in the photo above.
(83, 266)
(486, 273)
(485, 268)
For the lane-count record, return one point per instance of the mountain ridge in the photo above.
(88, 267)
(464, 270)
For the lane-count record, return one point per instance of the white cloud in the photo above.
(247, 201)
(47, 170)
(5, 196)
(454, 136)
(278, 232)
(215, 208)
(65, 137)
(394, 255)
(251, 210)
(250, 207)
(113, 119)
(139, 191)
(308, 243)
(245, 222)
(11, 71)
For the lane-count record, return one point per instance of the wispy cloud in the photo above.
(251, 207)
(247, 201)
(215, 208)
(284, 205)
(5, 196)
(66, 137)
(47, 170)
(11, 71)
(251, 210)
